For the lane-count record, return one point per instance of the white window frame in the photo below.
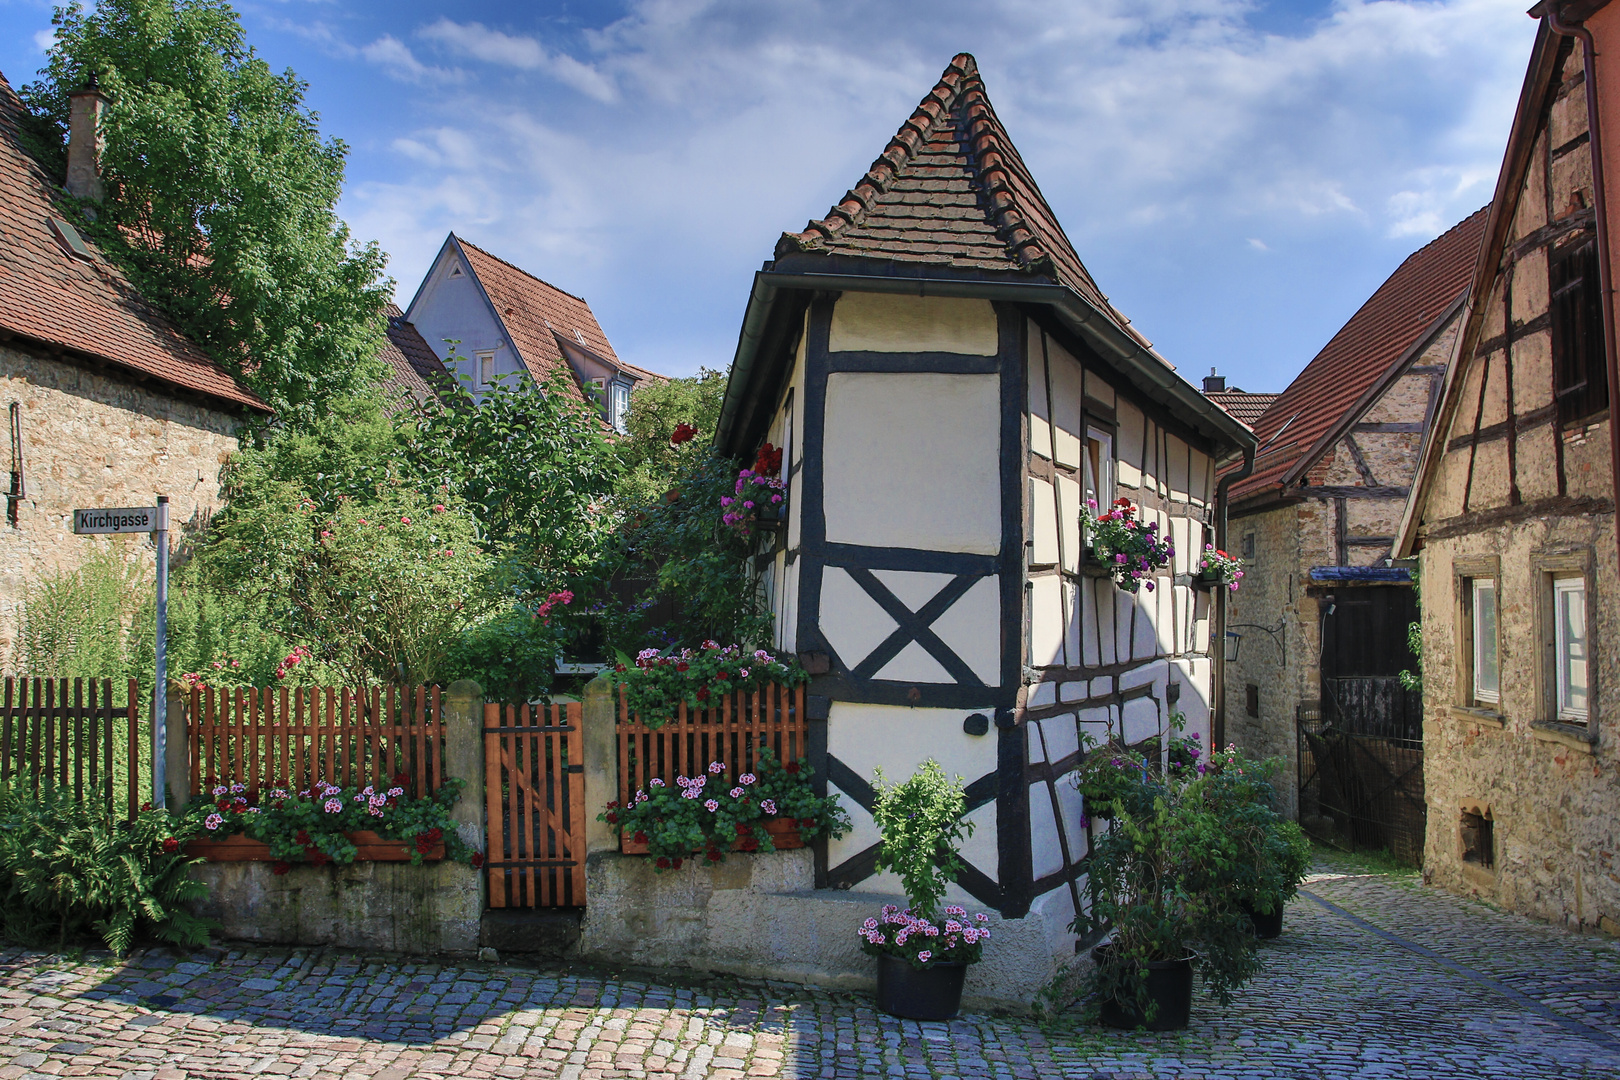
(1480, 644)
(486, 367)
(618, 406)
(1100, 487)
(1571, 590)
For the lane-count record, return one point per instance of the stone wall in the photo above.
(395, 907)
(759, 916)
(90, 440)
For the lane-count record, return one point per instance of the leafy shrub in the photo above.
(81, 623)
(921, 825)
(69, 871)
(513, 655)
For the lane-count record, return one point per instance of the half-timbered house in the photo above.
(1512, 514)
(948, 383)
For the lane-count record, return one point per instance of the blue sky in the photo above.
(1238, 176)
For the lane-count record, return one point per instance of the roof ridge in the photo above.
(506, 262)
(987, 147)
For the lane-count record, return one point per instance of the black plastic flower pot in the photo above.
(1266, 926)
(930, 993)
(1169, 986)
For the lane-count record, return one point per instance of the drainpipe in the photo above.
(1600, 206)
(1217, 735)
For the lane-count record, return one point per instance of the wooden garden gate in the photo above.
(535, 787)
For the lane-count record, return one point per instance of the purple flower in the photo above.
(655, 782)
(711, 806)
(769, 806)
(870, 924)
(1120, 558)
(213, 821)
(924, 956)
(736, 793)
(333, 806)
(717, 767)
(746, 778)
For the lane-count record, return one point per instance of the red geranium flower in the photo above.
(641, 837)
(612, 818)
(477, 859)
(171, 845)
(302, 837)
(703, 693)
(682, 433)
(713, 855)
(681, 665)
(278, 867)
(723, 675)
(146, 806)
(663, 862)
(750, 844)
(677, 862)
(791, 767)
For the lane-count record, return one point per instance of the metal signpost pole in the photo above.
(160, 690)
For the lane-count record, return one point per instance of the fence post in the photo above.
(599, 723)
(464, 757)
(177, 751)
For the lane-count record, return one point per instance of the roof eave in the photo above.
(1146, 369)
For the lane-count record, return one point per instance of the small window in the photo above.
(579, 337)
(1251, 702)
(1570, 648)
(1487, 672)
(619, 407)
(1099, 466)
(486, 369)
(70, 238)
(1579, 371)
(1478, 840)
(1247, 550)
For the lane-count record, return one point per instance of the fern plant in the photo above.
(69, 871)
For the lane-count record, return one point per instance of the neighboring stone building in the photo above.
(505, 322)
(948, 383)
(109, 405)
(1319, 612)
(1512, 517)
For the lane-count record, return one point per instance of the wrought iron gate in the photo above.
(535, 787)
(1361, 767)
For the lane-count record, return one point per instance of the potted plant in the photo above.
(1164, 883)
(924, 951)
(708, 815)
(1128, 548)
(1216, 567)
(1277, 854)
(758, 493)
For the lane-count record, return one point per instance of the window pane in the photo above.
(1487, 683)
(1570, 611)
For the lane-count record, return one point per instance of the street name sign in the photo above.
(125, 519)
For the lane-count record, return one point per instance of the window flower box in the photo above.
(1129, 548)
(784, 834)
(369, 847)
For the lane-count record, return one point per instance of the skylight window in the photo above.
(579, 336)
(70, 238)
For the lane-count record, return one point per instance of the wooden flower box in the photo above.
(1207, 580)
(783, 836)
(369, 847)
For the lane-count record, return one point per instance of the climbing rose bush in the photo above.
(958, 938)
(656, 683)
(1130, 549)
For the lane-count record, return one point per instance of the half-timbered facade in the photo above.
(948, 384)
(1512, 517)
(1319, 626)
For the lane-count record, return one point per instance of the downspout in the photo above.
(1217, 735)
(1600, 205)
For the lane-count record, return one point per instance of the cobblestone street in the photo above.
(1373, 977)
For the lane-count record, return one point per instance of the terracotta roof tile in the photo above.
(413, 368)
(1391, 321)
(950, 189)
(1245, 406)
(89, 308)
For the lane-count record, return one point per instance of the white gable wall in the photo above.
(453, 308)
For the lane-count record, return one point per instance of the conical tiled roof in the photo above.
(951, 190)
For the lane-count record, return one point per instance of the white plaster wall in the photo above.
(912, 461)
(894, 323)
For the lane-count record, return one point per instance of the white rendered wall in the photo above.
(454, 309)
(894, 323)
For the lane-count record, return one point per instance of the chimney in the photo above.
(85, 141)
(1213, 383)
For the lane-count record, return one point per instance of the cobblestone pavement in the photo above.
(1373, 977)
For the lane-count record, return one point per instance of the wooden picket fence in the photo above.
(73, 733)
(732, 730)
(290, 738)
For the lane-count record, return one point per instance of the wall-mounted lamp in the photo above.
(1233, 640)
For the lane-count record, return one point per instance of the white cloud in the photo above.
(478, 42)
(397, 61)
(1259, 244)
(44, 39)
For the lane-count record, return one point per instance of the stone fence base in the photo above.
(759, 916)
(393, 907)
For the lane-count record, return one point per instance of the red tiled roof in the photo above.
(1245, 406)
(1392, 320)
(88, 308)
(950, 189)
(413, 368)
(537, 313)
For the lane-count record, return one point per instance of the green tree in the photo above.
(651, 460)
(221, 195)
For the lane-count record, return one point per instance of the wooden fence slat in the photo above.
(497, 839)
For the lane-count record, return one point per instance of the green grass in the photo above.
(1381, 863)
